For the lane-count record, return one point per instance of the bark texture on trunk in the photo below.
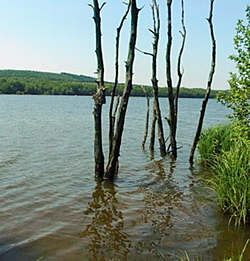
(157, 110)
(172, 115)
(147, 121)
(99, 96)
(111, 169)
(111, 118)
(209, 84)
(152, 133)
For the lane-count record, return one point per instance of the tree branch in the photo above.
(111, 119)
(102, 5)
(179, 72)
(146, 53)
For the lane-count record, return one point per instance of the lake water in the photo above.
(51, 207)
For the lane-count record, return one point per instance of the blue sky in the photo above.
(58, 36)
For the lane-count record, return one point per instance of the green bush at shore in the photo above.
(228, 157)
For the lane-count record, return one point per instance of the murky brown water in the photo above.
(51, 208)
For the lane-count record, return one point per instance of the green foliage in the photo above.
(228, 154)
(228, 157)
(231, 181)
(213, 142)
(186, 257)
(239, 93)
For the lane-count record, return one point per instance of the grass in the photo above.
(186, 257)
(228, 158)
(231, 181)
(213, 141)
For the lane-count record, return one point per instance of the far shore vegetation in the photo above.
(45, 83)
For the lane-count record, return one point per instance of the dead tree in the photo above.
(147, 118)
(156, 33)
(111, 114)
(156, 107)
(179, 72)
(171, 119)
(99, 96)
(209, 84)
(112, 166)
(152, 133)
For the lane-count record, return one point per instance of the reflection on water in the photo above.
(52, 209)
(105, 231)
(161, 196)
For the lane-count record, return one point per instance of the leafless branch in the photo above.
(179, 72)
(111, 119)
(209, 85)
(146, 53)
(151, 31)
(102, 5)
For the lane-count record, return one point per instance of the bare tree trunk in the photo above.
(115, 111)
(111, 118)
(116, 108)
(147, 121)
(111, 169)
(156, 32)
(209, 84)
(152, 133)
(99, 96)
(156, 111)
(180, 74)
(172, 115)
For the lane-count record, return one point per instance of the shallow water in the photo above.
(51, 208)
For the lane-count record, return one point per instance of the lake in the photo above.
(51, 207)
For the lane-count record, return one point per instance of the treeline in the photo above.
(45, 76)
(43, 86)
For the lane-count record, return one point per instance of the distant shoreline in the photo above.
(89, 95)
(45, 83)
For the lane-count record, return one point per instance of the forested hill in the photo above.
(46, 83)
(45, 76)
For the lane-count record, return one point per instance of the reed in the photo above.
(231, 181)
(212, 142)
(240, 257)
(226, 151)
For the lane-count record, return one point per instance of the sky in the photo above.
(58, 36)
